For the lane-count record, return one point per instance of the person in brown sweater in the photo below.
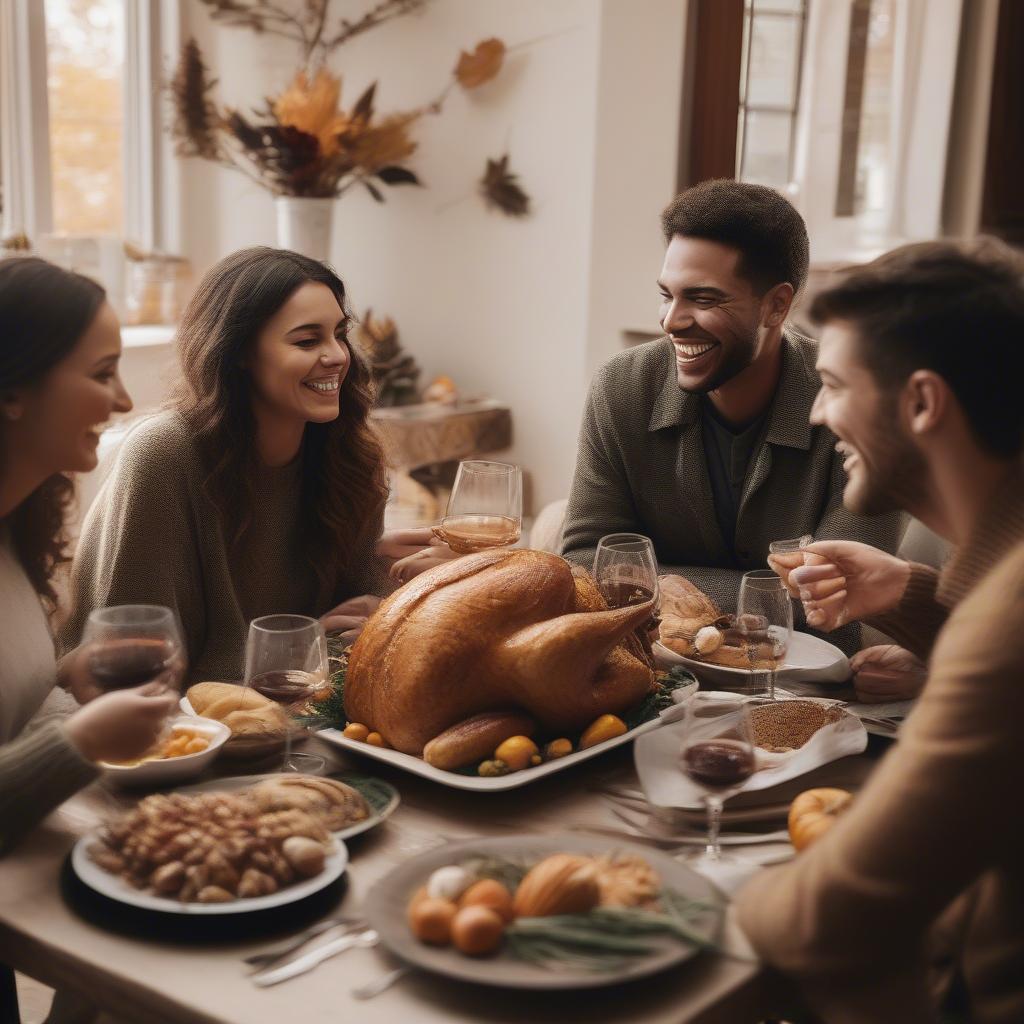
(913, 901)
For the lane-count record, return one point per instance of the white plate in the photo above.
(455, 780)
(386, 903)
(809, 658)
(382, 797)
(117, 888)
(164, 770)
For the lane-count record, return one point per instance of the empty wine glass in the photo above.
(130, 644)
(764, 618)
(626, 569)
(485, 509)
(718, 757)
(785, 547)
(286, 660)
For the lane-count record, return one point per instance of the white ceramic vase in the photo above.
(304, 225)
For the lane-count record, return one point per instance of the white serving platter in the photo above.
(455, 780)
(809, 659)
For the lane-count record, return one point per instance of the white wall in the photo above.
(522, 310)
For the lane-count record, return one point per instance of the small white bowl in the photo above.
(165, 770)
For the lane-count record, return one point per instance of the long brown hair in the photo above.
(44, 311)
(343, 474)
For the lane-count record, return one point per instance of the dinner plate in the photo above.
(116, 888)
(456, 780)
(386, 903)
(809, 658)
(381, 796)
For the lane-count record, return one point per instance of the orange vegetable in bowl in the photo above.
(431, 920)
(477, 931)
(814, 812)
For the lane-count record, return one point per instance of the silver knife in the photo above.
(307, 961)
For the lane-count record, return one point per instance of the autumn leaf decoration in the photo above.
(500, 188)
(480, 66)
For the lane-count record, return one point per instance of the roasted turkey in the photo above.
(495, 631)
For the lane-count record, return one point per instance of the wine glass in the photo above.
(286, 660)
(485, 509)
(626, 569)
(764, 618)
(718, 757)
(787, 547)
(130, 644)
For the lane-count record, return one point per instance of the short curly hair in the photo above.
(766, 228)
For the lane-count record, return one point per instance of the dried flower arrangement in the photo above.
(303, 143)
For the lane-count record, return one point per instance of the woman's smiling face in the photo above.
(301, 356)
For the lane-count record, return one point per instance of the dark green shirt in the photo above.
(728, 452)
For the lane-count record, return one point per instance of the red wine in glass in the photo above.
(131, 661)
(287, 686)
(719, 764)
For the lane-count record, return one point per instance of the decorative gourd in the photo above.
(814, 812)
(560, 884)
(604, 728)
(517, 752)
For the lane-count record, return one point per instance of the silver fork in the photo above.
(258, 961)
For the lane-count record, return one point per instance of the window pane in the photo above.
(85, 66)
(794, 6)
(774, 60)
(874, 159)
(766, 145)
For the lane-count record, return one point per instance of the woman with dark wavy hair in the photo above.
(261, 489)
(59, 349)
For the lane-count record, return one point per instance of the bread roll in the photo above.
(333, 803)
(257, 724)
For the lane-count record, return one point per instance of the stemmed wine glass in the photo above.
(485, 509)
(130, 644)
(717, 756)
(764, 618)
(626, 569)
(286, 660)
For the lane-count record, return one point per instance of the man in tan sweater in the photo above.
(916, 896)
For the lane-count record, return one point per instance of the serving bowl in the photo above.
(165, 770)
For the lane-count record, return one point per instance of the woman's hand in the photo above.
(886, 673)
(349, 617)
(843, 581)
(121, 725)
(75, 676)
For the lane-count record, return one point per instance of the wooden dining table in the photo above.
(147, 978)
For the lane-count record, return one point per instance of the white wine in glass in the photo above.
(485, 509)
(286, 660)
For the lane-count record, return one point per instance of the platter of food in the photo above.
(695, 633)
(791, 737)
(471, 779)
(551, 912)
(809, 658)
(258, 726)
(222, 851)
(363, 802)
(496, 670)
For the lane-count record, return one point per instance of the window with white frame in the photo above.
(82, 150)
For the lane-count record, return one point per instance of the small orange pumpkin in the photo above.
(814, 812)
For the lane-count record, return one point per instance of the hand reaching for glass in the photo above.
(412, 552)
(841, 581)
(887, 673)
(121, 725)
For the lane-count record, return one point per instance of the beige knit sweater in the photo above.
(153, 536)
(41, 769)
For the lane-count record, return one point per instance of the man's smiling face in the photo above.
(884, 470)
(711, 313)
